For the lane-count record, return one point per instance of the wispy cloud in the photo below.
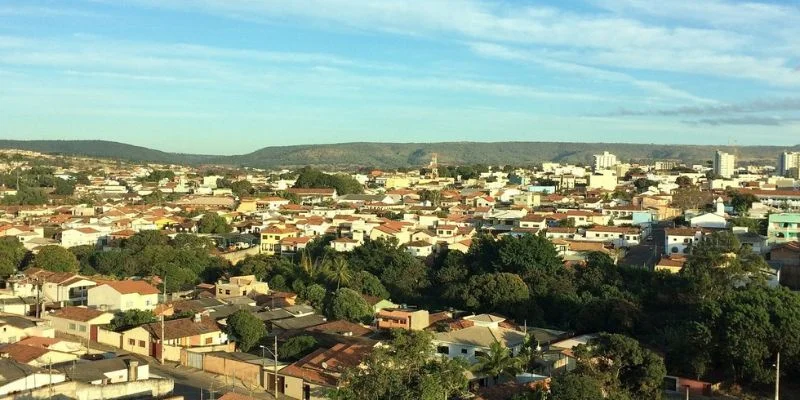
(788, 104)
(45, 12)
(747, 120)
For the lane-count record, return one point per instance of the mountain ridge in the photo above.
(394, 155)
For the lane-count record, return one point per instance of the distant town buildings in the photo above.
(724, 164)
(604, 161)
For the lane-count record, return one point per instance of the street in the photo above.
(647, 254)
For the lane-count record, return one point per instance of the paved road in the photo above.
(648, 253)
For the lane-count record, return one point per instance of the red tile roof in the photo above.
(128, 286)
(324, 365)
(81, 314)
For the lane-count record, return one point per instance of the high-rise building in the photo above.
(604, 161)
(724, 164)
(788, 162)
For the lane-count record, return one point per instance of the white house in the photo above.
(711, 220)
(19, 377)
(419, 248)
(680, 240)
(81, 237)
(344, 244)
(469, 343)
(123, 296)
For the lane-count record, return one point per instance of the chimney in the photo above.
(197, 318)
(133, 370)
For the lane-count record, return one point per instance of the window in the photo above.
(141, 343)
(209, 340)
(82, 328)
(479, 354)
(463, 351)
(227, 292)
(674, 249)
(220, 291)
(132, 342)
(71, 326)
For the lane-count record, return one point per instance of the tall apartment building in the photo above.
(604, 161)
(724, 164)
(789, 162)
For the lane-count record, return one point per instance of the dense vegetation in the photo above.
(715, 320)
(394, 155)
(312, 178)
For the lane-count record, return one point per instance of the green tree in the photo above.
(339, 272)
(683, 181)
(403, 370)
(314, 295)
(366, 283)
(497, 362)
(498, 291)
(625, 366)
(297, 347)
(346, 304)
(213, 223)
(573, 386)
(131, 319)
(742, 201)
(64, 187)
(56, 259)
(12, 253)
(246, 329)
(146, 238)
(241, 188)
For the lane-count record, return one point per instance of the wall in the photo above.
(236, 256)
(104, 297)
(30, 381)
(82, 391)
(108, 337)
(293, 387)
(138, 335)
(247, 373)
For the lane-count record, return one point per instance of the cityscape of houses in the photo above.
(63, 330)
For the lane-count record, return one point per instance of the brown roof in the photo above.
(22, 353)
(793, 246)
(36, 341)
(341, 327)
(81, 314)
(235, 396)
(323, 191)
(615, 229)
(668, 261)
(681, 231)
(335, 360)
(128, 286)
(181, 328)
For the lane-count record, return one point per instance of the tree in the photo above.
(624, 365)
(296, 347)
(403, 370)
(339, 271)
(132, 318)
(246, 329)
(346, 304)
(573, 386)
(498, 291)
(12, 253)
(314, 295)
(56, 259)
(213, 223)
(241, 188)
(566, 223)
(146, 238)
(64, 187)
(498, 361)
(642, 184)
(683, 181)
(366, 283)
(742, 202)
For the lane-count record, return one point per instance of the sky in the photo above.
(232, 76)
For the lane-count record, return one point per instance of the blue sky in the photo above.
(232, 76)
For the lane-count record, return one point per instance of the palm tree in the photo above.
(314, 270)
(498, 361)
(339, 271)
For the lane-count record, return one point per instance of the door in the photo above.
(93, 332)
(194, 360)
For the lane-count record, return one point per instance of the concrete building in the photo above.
(783, 227)
(402, 318)
(238, 286)
(604, 161)
(724, 164)
(123, 296)
(789, 163)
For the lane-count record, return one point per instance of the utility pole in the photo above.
(161, 355)
(275, 366)
(778, 377)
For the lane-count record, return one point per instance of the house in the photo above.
(378, 303)
(107, 371)
(315, 375)
(619, 236)
(14, 328)
(402, 318)
(314, 195)
(123, 296)
(197, 331)
(344, 244)
(473, 341)
(681, 240)
(17, 377)
(783, 227)
(717, 219)
(35, 356)
(59, 288)
(272, 236)
(786, 256)
(86, 236)
(240, 286)
(78, 321)
(419, 248)
(672, 263)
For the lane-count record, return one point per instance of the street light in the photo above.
(274, 354)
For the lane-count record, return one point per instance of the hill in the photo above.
(101, 149)
(393, 155)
